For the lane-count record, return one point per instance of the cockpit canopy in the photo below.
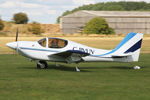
(53, 42)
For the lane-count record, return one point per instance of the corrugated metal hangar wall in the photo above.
(121, 21)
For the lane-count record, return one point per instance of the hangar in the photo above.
(121, 21)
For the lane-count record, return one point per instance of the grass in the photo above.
(20, 80)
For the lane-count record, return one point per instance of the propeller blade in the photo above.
(17, 39)
(17, 35)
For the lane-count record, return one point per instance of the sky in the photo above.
(43, 11)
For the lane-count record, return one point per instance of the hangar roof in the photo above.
(112, 13)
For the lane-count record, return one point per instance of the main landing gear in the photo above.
(42, 65)
(77, 69)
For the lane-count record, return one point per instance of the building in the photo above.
(120, 21)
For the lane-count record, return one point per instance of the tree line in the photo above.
(111, 6)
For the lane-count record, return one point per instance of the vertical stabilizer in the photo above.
(131, 46)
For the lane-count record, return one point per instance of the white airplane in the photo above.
(60, 50)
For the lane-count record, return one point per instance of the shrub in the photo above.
(36, 29)
(20, 18)
(1, 25)
(97, 25)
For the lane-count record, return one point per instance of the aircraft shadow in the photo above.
(82, 69)
(111, 67)
(87, 69)
(120, 67)
(66, 68)
(60, 67)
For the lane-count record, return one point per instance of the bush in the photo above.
(1, 25)
(20, 18)
(97, 25)
(36, 29)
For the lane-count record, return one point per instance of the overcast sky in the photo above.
(43, 11)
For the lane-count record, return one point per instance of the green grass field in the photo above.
(20, 80)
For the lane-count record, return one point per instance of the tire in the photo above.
(42, 65)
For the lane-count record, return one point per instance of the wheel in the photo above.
(42, 65)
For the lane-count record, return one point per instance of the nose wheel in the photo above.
(42, 65)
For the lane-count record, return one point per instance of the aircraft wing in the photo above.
(71, 55)
(68, 53)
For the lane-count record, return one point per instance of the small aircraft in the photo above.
(60, 50)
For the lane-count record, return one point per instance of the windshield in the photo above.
(42, 42)
(56, 43)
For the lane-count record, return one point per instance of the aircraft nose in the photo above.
(12, 45)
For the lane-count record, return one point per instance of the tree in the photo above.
(58, 20)
(1, 25)
(20, 18)
(97, 25)
(65, 13)
(113, 8)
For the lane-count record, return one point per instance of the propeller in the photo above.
(17, 39)
(17, 35)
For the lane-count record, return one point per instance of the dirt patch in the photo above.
(51, 28)
(11, 28)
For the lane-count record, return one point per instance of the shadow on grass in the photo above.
(87, 69)
(124, 67)
(111, 67)
(120, 67)
(61, 68)
(82, 69)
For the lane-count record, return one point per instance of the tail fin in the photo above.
(130, 46)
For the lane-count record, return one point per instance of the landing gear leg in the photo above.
(42, 65)
(77, 69)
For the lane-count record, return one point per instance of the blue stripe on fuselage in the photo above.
(38, 49)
